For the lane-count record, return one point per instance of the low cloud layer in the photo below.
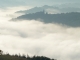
(37, 38)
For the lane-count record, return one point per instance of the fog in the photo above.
(37, 38)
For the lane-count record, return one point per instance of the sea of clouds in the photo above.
(37, 38)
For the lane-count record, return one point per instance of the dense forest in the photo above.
(21, 57)
(69, 19)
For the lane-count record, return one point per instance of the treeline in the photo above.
(69, 19)
(21, 57)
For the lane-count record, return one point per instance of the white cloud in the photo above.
(9, 12)
(37, 38)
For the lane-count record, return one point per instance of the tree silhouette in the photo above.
(1, 52)
(19, 57)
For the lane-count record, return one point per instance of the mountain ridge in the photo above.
(69, 19)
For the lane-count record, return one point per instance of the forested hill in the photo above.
(69, 19)
(21, 57)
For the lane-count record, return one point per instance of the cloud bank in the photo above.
(37, 38)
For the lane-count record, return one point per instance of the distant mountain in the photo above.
(37, 9)
(77, 5)
(69, 19)
(51, 9)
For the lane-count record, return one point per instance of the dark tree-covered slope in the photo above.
(69, 19)
(21, 57)
(16, 57)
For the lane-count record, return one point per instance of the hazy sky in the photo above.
(4, 3)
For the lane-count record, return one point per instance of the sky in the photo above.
(4, 3)
(34, 37)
